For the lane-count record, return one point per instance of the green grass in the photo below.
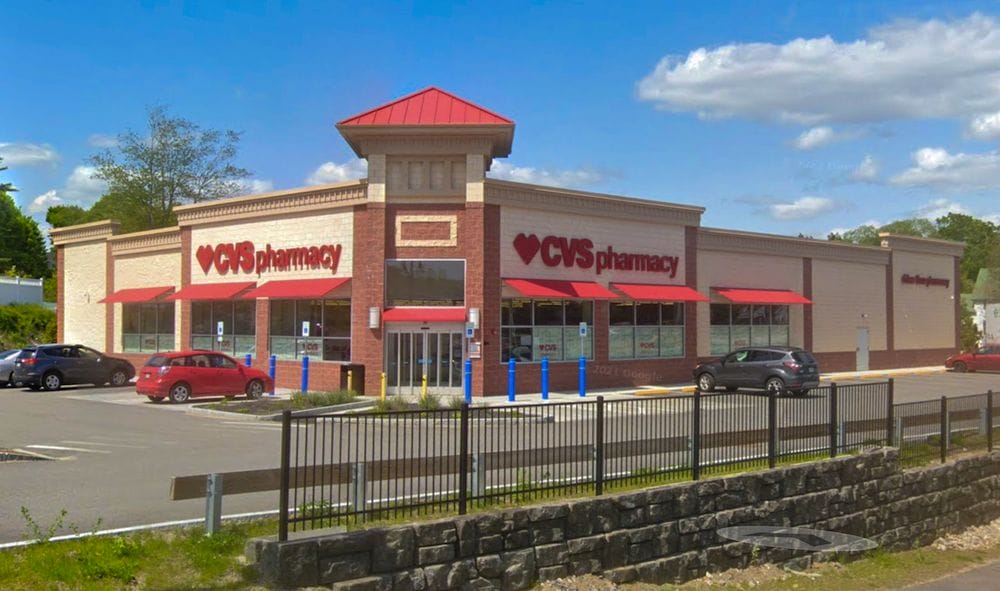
(171, 559)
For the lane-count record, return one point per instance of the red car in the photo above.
(188, 374)
(986, 358)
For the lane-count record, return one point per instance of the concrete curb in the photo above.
(198, 409)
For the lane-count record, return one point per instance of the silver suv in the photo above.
(778, 369)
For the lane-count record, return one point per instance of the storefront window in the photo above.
(147, 327)
(744, 325)
(329, 323)
(239, 323)
(424, 283)
(645, 330)
(533, 329)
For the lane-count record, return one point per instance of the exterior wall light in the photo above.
(474, 317)
(374, 315)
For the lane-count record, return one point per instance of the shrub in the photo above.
(390, 404)
(26, 324)
(316, 399)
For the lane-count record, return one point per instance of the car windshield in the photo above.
(803, 357)
(26, 353)
(157, 361)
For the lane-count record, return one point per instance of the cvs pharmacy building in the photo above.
(427, 263)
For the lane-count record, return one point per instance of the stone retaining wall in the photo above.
(658, 535)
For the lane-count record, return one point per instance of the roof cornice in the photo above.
(305, 199)
(718, 239)
(93, 231)
(922, 245)
(508, 193)
(149, 241)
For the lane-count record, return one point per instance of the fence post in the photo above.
(989, 420)
(599, 449)
(833, 419)
(772, 427)
(944, 428)
(545, 379)
(463, 460)
(286, 439)
(583, 376)
(272, 367)
(213, 504)
(305, 374)
(358, 492)
(889, 411)
(511, 379)
(696, 436)
(467, 382)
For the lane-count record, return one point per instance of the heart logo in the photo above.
(527, 247)
(205, 256)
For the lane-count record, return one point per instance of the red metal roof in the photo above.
(659, 293)
(296, 288)
(424, 314)
(135, 295)
(761, 296)
(550, 288)
(212, 291)
(430, 106)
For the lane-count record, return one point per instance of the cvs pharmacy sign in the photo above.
(555, 251)
(242, 257)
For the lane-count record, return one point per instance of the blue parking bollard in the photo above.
(511, 364)
(272, 370)
(468, 381)
(305, 373)
(545, 378)
(583, 377)
(249, 360)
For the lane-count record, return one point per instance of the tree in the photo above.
(5, 187)
(22, 247)
(866, 235)
(982, 244)
(177, 162)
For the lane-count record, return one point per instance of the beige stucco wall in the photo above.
(847, 296)
(147, 270)
(84, 274)
(623, 236)
(290, 231)
(751, 271)
(924, 317)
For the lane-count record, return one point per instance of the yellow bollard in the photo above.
(423, 387)
(350, 381)
(383, 386)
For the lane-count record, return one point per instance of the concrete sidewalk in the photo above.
(981, 577)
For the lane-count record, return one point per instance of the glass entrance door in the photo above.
(411, 355)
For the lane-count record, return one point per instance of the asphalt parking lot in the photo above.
(116, 452)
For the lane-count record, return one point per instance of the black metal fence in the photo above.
(339, 469)
(934, 429)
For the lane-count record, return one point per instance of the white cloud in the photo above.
(801, 209)
(19, 154)
(936, 208)
(43, 202)
(904, 70)
(254, 186)
(817, 137)
(872, 223)
(993, 218)
(331, 172)
(100, 140)
(540, 176)
(867, 171)
(935, 167)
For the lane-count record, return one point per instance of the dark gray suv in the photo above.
(51, 366)
(781, 369)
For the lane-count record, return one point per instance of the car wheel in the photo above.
(52, 381)
(255, 389)
(118, 378)
(180, 393)
(775, 384)
(706, 382)
(961, 367)
(155, 399)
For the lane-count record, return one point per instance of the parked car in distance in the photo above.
(986, 357)
(7, 359)
(781, 369)
(183, 375)
(53, 366)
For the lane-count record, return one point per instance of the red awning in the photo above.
(424, 314)
(136, 295)
(296, 288)
(761, 296)
(551, 288)
(212, 291)
(659, 293)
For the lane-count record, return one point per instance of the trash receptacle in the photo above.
(357, 377)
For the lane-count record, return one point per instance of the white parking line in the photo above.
(105, 444)
(61, 448)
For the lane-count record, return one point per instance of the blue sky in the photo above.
(776, 116)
